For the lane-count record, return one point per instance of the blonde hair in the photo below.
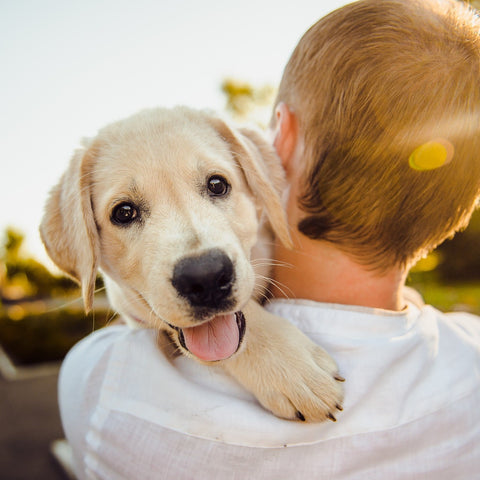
(369, 83)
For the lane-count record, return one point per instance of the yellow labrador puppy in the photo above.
(171, 206)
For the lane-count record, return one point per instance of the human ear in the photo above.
(285, 135)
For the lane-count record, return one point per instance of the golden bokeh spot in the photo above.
(428, 263)
(16, 312)
(431, 155)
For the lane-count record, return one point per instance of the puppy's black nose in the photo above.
(205, 280)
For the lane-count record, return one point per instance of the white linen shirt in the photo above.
(411, 410)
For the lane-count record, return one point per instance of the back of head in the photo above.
(370, 84)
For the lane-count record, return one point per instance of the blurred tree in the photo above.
(22, 277)
(41, 314)
(246, 102)
(13, 242)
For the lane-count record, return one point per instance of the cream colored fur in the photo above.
(160, 159)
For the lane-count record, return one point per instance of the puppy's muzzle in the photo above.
(205, 280)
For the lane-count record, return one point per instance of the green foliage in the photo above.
(41, 314)
(23, 276)
(461, 255)
(12, 244)
(449, 278)
(456, 260)
(447, 298)
(46, 337)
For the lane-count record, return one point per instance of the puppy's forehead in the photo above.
(163, 142)
(152, 155)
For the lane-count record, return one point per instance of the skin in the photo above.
(318, 270)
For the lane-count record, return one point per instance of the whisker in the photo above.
(64, 305)
(271, 264)
(101, 289)
(284, 290)
(269, 282)
(111, 316)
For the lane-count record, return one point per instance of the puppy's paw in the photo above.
(289, 374)
(305, 387)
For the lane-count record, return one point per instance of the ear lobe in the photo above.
(263, 172)
(68, 228)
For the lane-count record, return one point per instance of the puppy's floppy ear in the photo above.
(68, 228)
(263, 172)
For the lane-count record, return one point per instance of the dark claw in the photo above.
(300, 416)
(331, 417)
(339, 407)
(338, 378)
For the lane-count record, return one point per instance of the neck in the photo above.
(318, 271)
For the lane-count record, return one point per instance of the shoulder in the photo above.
(454, 329)
(120, 394)
(122, 374)
(80, 384)
(86, 363)
(420, 359)
(466, 324)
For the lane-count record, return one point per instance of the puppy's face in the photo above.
(167, 204)
(176, 221)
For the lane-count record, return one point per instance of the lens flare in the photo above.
(431, 155)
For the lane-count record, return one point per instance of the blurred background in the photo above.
(69, 68)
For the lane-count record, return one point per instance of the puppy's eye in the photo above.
(124, 213)
(217, 186)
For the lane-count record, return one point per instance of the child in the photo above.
(382, 100)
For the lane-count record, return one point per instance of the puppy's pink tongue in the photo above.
(217, 339)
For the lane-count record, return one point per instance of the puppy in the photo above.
(177, 209)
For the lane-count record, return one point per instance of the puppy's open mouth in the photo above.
(217, 339)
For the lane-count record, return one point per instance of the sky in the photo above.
(70, 67)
